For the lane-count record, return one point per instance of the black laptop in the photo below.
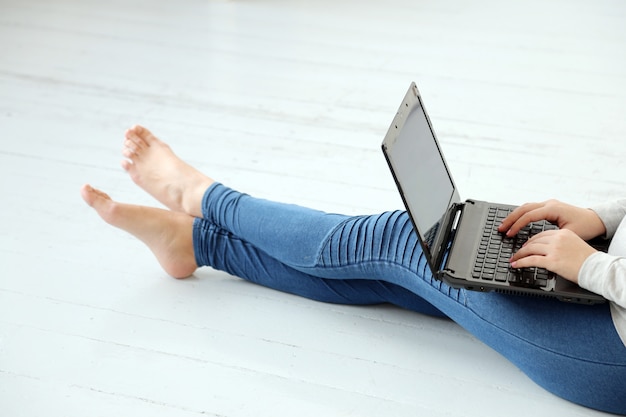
(460, 239)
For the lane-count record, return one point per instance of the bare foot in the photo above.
(168, 234)
(154, 167)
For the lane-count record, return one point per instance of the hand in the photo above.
(560, 251)
(584, 222)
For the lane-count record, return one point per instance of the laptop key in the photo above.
(501, 276)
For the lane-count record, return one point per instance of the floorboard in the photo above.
(286, 100)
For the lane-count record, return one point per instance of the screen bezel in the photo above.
(436, 250)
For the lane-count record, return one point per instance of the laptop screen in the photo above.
(419, 169)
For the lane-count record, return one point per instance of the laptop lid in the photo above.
(422, 176)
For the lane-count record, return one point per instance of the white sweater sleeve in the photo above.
(611, 215)
(605, 273)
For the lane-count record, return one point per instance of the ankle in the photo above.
(192, 203)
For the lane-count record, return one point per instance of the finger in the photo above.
(543, 236)
(516, 214)
(537, 214)
(537, 261)
(539, 246)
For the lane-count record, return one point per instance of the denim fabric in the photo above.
(571, 350)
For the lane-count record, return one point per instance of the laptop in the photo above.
(460, 239)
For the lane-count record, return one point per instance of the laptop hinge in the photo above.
(452, 218)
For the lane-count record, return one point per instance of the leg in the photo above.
(220, 249)
(170, 236)
(571, 350)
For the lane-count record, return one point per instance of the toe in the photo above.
(86, 194)
(92, 195)
(100, 194)
(133, 146)
(126, 164)
(128, 153)
(133, 141)
(132, 136)
(144, 134)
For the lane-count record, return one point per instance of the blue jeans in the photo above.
(571, 350)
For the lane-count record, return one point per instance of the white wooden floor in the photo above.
(286, 99)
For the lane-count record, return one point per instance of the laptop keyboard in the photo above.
(492, 261)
